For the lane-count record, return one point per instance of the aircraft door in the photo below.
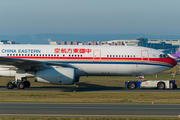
(97, 55)
(144, 55)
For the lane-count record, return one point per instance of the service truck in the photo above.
(159, 84)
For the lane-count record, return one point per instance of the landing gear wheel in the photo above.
(132, 85)
(20, 85)
(161, 85)
(10, 85)
(27, 84)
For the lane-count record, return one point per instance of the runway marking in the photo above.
(59, 115)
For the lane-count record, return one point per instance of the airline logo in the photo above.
(20, 51)
(72, 50)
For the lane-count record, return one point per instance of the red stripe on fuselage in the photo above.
(164, 60)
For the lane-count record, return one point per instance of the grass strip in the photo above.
(89, 97)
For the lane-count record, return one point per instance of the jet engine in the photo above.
(58, 76)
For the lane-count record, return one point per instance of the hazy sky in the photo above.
(152, 17)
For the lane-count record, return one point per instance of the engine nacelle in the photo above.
(58, 76)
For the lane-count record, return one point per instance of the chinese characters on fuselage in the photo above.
(72, 50)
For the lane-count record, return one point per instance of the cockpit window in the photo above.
(162, 56)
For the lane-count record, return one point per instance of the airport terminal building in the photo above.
(168, 46)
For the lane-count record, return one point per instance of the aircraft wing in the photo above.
(28, 64)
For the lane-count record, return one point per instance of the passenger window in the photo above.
(107, 55)
(7, 54)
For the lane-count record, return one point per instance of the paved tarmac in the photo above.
(89, 110)
(85, 89)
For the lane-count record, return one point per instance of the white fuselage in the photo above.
(92, 60)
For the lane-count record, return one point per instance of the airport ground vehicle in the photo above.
(159, 84)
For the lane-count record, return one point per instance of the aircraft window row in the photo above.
(43, 55)
(75, 55)
(162, 56)
(131, 56)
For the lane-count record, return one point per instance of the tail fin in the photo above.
(178, 51)
(175, 56)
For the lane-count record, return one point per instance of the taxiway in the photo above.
(89, 110)
(86, 89)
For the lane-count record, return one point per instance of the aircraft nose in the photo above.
(174, 63)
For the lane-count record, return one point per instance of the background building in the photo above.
(166, 45)
(7, 42)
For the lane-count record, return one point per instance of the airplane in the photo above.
(175, 56)
(64, 64)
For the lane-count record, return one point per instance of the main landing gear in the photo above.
(20, 80)
(20, 84)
